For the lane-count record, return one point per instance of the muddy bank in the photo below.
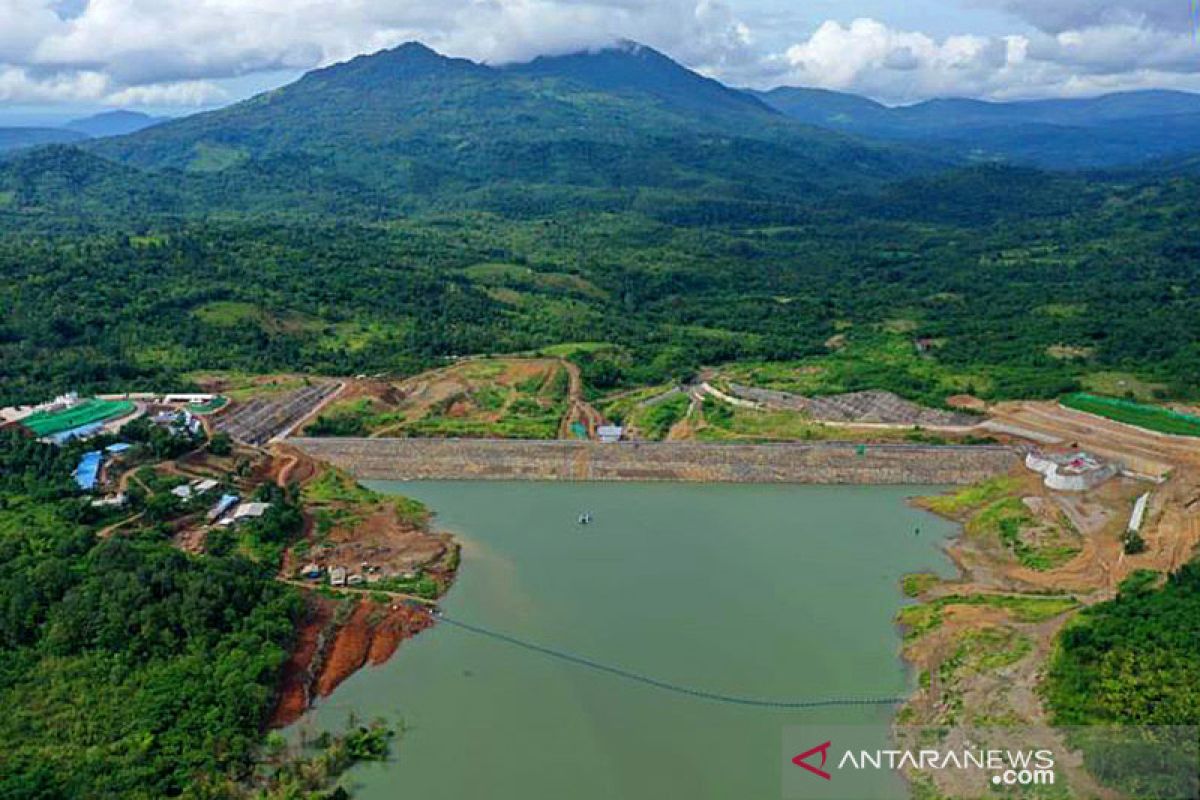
(823, 463)
(337, 639)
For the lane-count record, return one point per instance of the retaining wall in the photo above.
(823, 463)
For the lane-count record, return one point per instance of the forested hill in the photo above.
(423, 128)
(1113, 130)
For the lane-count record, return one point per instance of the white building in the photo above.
(1071, 472)
(610, 434)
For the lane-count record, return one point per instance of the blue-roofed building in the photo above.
(82, 432)
(224, 504)
(119, 447)
(88, 471)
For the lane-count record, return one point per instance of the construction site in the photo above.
(264, 419)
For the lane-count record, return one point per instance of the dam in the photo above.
(832, 463)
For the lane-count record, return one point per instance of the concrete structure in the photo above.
(1076, 471)
(188, 398)
(250, 511)
(112, 501)
(204, 485)
(859, 408)
(610, 434)
(819, 463)
(1139, 513)
(709, 389)
(245, 512)
(337, 576)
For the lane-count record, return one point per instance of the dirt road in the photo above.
(1141, 451)
(579, 410)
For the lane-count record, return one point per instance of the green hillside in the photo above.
(386, 213)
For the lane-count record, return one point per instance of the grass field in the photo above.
(1153, 418)
(210, 407)
(89, 411)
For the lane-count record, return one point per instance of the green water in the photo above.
(766, 591)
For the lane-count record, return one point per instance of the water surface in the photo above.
(767, 591)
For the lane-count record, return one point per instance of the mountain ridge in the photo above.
(1111, 130)
(414, 123)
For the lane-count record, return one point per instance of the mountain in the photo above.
(68, 179)
(632, 68)
(17, 138)
(418, 127)
(826, 108)
(1107, 131)
(113, 123)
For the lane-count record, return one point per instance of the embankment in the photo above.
(820, 463)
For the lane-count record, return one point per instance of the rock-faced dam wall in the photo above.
(820, 463)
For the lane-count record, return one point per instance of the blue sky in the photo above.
(63, 58)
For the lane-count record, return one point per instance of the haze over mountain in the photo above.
(110, 123)
(19, 138)
(1106, 131)
(114, 123)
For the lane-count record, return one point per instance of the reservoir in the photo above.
(758, 591)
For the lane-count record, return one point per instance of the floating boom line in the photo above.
(756, 702)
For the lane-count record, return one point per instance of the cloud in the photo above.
(169, 49)
(19, 85)
(1057, 16)
(869, 57)
(182, 93)
(183, 51)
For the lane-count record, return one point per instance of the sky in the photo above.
(63, 58)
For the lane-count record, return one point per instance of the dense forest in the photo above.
(1048, 281)
(1131, 662)
(127, 669)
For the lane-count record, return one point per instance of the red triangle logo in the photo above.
(802, 760)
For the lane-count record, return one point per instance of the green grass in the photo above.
(925, 617)
(993, 510)
(1153, 418)
(656, 421)
(333, 486)
(1122, 384)
(970, 498)
(871, 359)
(917, 583)
(728, 423)
(229, 313)
(568, 349)
(216, 404)
(49, 423)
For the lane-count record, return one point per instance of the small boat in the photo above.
(585, 518)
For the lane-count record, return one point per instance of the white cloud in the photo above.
(180, 51)
(182, 93)
(868, 57)
(1057, 16)
(17, 85)
(176, 45)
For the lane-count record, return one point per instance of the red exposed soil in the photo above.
(326, 653)
(294, 696)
